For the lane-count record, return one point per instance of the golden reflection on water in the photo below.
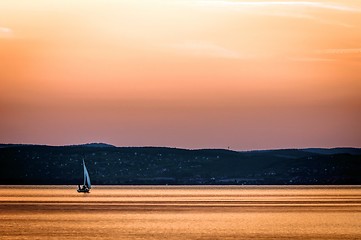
(183, 212)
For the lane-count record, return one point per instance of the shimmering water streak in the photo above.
(182, 212)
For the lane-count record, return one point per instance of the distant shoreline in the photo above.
(44, 165)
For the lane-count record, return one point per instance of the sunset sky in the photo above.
(181, 73)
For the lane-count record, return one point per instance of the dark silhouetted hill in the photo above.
(107, 164)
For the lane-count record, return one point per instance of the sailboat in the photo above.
(87, 185)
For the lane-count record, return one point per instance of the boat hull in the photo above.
(83, 190)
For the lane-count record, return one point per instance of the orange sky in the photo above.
(181, 73)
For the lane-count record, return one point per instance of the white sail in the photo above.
(86, 177)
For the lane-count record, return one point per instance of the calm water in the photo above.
(39, 212)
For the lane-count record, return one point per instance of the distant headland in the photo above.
(108, 164)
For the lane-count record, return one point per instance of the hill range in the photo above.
(107, 164)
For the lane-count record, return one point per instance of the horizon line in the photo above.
(183, 148)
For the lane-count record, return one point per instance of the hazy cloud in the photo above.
(340, 51)
(311, 59)
(205, 49)
(290, 9)
(6, 32)
(325, 55)
(307, 17)
(308, 4)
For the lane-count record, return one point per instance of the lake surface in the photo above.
(182, 212)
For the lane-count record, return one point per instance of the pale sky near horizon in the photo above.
(181, 73)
